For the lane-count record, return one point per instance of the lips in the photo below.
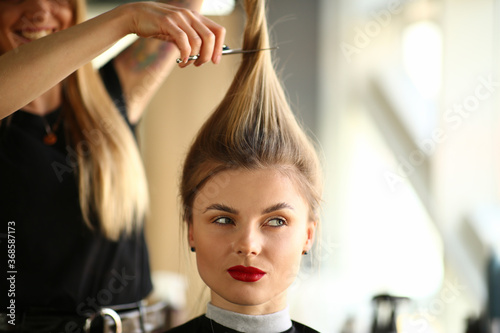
(246, 274)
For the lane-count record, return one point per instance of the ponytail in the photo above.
(253, 127)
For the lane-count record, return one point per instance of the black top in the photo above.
(59, 262)
(202, 324)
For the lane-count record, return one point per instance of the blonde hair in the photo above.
(111, 177)
(253, 127)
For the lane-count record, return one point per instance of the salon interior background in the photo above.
(403, 98)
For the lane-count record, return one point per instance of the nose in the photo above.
(249, 242)
(37, 11)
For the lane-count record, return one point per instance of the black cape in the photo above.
(202, 324)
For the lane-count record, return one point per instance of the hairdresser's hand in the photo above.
(190, 31)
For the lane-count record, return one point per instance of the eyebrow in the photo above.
(278, 206)
(221, 207)
(228, 209)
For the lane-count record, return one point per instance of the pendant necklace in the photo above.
(51, 138)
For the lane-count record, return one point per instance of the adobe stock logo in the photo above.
(117, 283)
(453, 118)
(424, 319)
(84, 148)
(364, 35)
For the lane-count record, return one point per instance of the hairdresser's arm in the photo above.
(143, 66)
(35, 67)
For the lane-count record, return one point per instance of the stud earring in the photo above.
(193, 249)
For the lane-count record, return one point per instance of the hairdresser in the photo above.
(73, 193)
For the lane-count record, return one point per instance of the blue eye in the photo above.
(276, 222)
(223, 220)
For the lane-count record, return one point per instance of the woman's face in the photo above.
(22, 21)
(249, 229)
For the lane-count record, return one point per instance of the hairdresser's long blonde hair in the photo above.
(253, 126)
(111, 178)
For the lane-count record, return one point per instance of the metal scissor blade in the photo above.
(237, 51)
(227, 50)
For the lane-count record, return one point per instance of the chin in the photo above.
(246, 298)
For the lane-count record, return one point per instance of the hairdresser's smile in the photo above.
(34, 33)
(24, 21)
(249, 229)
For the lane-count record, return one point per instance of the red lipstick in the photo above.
(246, 274)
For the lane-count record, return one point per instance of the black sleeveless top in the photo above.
(58, 262)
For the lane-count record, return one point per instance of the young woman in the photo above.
(250, 193)
(73, 193)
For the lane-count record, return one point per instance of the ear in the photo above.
(191, 241)
(311, 233)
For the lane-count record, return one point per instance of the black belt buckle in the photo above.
(103, 313)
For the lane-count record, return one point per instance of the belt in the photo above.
(130, 318)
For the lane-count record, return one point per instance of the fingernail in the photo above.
(217, 59)
(186, 60)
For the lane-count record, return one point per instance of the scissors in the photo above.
(227, 50)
